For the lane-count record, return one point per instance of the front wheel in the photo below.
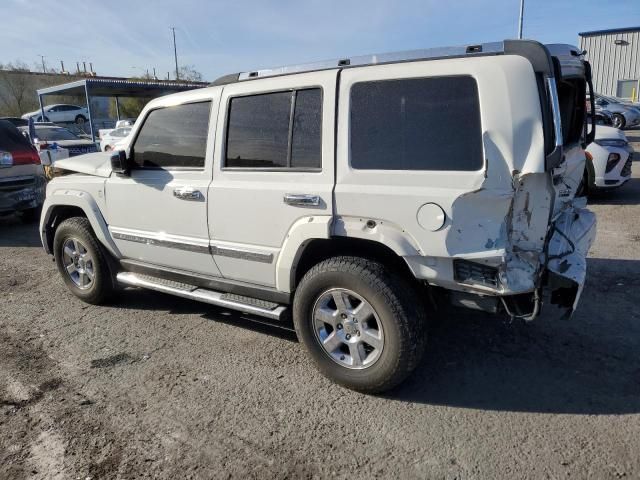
(362, 324)
(80, 120)
(619, 121)
(81, 261)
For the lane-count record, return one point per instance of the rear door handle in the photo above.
(301, 200)
(187, 193)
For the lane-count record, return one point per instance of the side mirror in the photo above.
(119, 163)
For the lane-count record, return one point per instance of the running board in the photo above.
(271, 310)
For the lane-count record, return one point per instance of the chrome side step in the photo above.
(273, 311)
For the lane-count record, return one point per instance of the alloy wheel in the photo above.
(78, 263)
(348, 328)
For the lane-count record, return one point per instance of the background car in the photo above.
(60, 113)
(22, 181)
(602, 118)
(624, 115)
(17, 122)
(47, 134)
(109, 139)
(125, 122)
(609, 159)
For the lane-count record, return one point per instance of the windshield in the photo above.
(52, 134)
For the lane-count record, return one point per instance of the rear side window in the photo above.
(279, 130)
(416, 124)
(173, 137)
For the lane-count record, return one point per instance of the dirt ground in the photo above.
(158, 387)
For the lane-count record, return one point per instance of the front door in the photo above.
(158, 214)
(273, 168)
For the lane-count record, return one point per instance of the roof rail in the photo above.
(494, 48)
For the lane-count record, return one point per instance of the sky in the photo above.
(127, 37)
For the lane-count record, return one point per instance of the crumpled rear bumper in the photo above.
(572, 234)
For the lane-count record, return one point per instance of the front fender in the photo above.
(76, 198)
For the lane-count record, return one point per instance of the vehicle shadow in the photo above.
(586, 365)
(15, 233)
(627, 194)
(140, 299)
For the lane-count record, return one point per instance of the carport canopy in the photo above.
(116, 88)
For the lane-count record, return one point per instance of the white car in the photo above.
(60, 113)
(108, 140)
(609, 159)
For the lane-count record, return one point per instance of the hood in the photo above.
(97, 164)
(30, 114)
(603, 132)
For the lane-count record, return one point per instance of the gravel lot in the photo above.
(156, 386)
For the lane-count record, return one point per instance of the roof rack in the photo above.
(493, 48)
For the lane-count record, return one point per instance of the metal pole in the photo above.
(86, 94)
(175, 51)
(44, 69)
(118, 108)
(521, 19)
(41, 108)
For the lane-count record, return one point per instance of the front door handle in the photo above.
(188, 193)
(301, 200)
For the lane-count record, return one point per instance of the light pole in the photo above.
(521, 19)
(175, 52)
(44, 69)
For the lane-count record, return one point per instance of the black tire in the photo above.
(40, 119)
(30, 215)
(397, 305)
(102, 284)
(619, 121)
(80, 120)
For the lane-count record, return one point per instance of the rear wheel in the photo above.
(81, 261)
(80, 120)
(363, 325)
(619, 121)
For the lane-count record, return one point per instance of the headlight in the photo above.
(611, 142)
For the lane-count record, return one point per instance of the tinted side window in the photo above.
(258, 130)
(262, 133)
(306, 142)
(173, 137)
(416, 124)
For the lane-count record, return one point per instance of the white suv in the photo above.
(352, 194)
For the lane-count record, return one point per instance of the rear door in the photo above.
(158, 214)
(274, 166)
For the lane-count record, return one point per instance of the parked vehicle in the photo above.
(125, 122)
(601, 117)
(17, 122)
(108, 140)
(609, 159)
(350, 193)
(48, 134)
(22, 182)
(624, 115)
(60, 113)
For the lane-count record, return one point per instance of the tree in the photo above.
(189, 73)
(16, 89)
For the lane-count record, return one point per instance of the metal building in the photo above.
(615, 58)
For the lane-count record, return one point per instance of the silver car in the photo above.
(624, 115)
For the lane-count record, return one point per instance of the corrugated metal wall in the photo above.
(611, 62)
